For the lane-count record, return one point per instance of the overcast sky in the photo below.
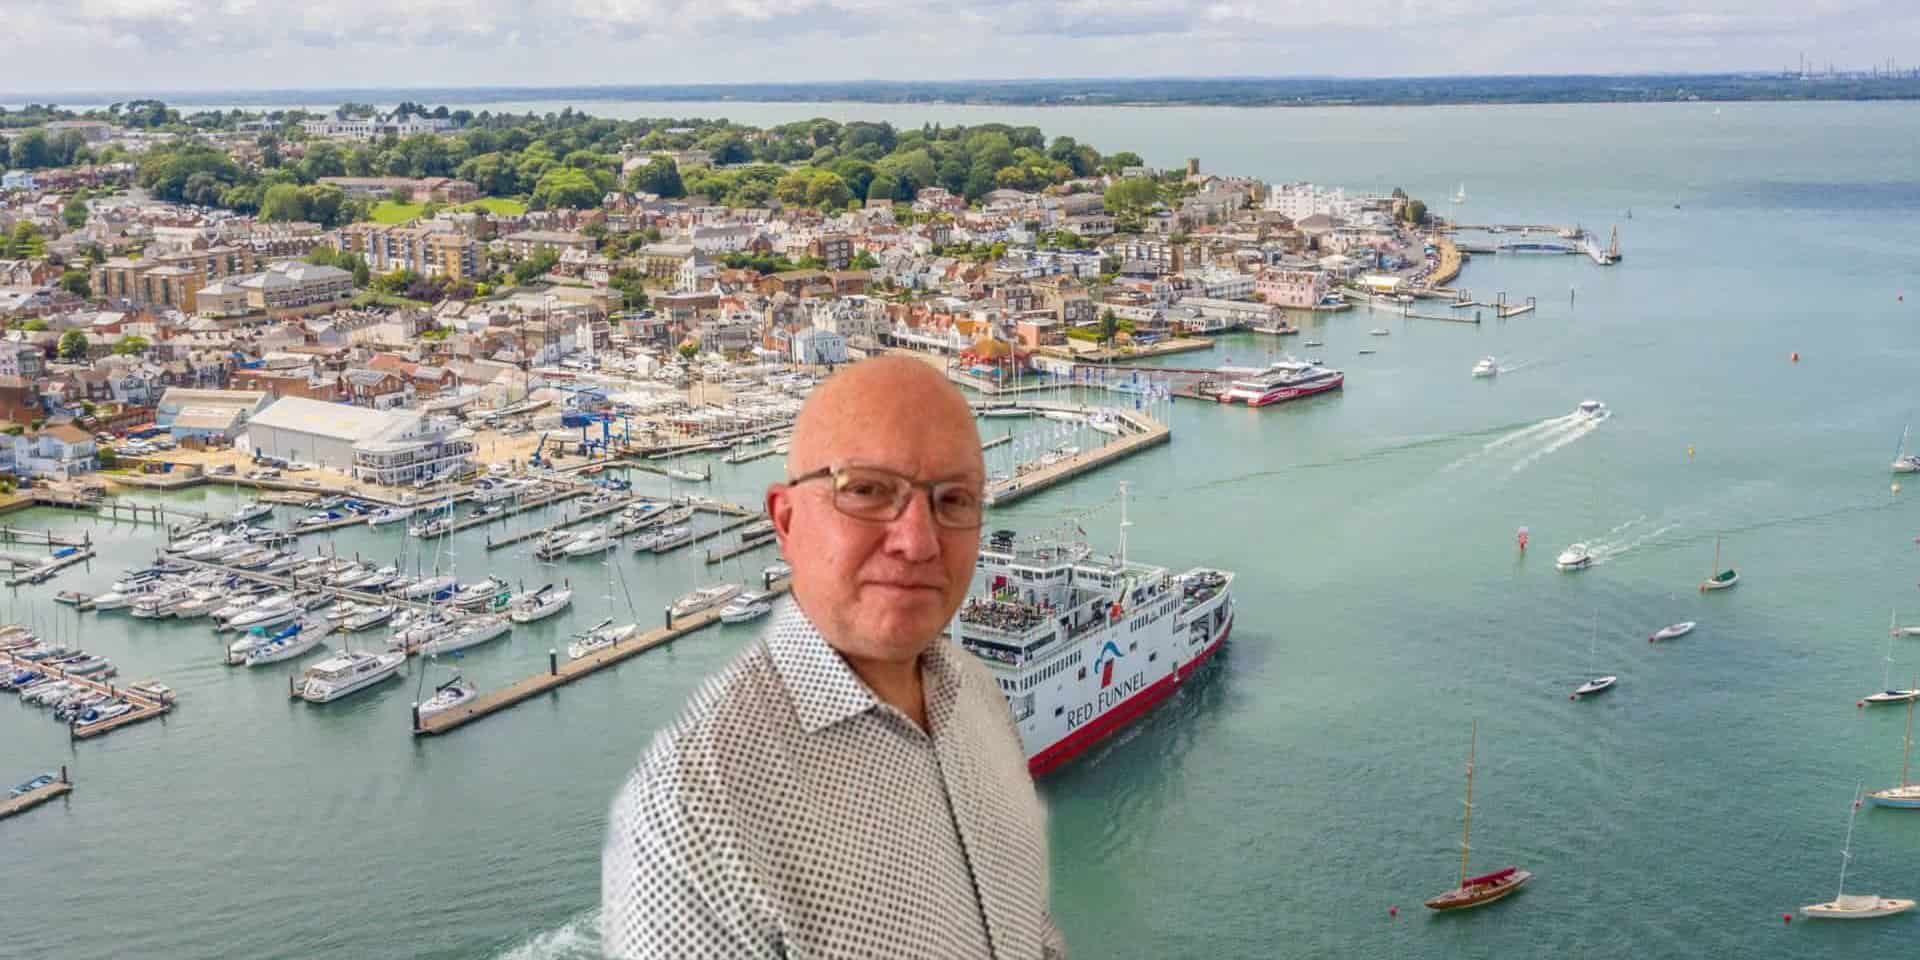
(81, 45)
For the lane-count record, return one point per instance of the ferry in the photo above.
(1283, 381)
(1082, 644)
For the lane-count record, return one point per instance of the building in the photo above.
(421, 189)
(526, 243)
(169, 279)
(1301, 289)
(371, 445)
(423, 250)
(834, 250)
(59, 451)
(207, 414)
(379, 389)
(816, 347)
(370, 128)
(289, 285)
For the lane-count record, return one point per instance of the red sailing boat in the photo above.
(1488, 887)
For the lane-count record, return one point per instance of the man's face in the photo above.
(882, 590)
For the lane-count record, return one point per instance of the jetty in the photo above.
(145, 706)
(289, 583)
(615, 505)
(60, 787)
(745, 546)
(41, 572)
(560, 674)
(1140, 433)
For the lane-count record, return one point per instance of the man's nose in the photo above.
(913, 536)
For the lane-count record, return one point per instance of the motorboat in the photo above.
(589, 543)
(342, 610)
(1669, 633)
(454, 693)
(1575, 557)
(1592, 410)
(431, 588)
(704, 598)
(436, 527)
(751, 605)
(368, 617)
(1487, 367)
(422, 630)
(1378, 332)
(161, 603)
(756, 530)
(250, 512)
(43, 780)
(1106, 423)
(484, 593)
(292, 641)
(347, 673)
(199, 602)
(1596, 685)
(553, 544)
(379, 580)
(273, 610)
(88, 666)
(777, 570)
(540, 604)
(663, 540)
(123, 598)
(602, 636)
(321, 519)
(472, 632)
(103, 713)
(386, 515)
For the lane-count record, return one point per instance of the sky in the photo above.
(216, 45)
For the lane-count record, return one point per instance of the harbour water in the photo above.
(1312, 778)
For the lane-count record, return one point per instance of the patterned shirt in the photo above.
(790, 813)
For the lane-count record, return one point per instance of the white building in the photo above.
(1298, 201)
(379, 446)
(816, 347)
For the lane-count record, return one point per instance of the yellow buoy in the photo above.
(1689, 451)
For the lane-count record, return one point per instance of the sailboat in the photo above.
(1488, 887)
(1906, 796)
(1597, 684)
(1887, 694)
(1860, 906)
(1721, 579)
(1904, 462)
(1460, 195)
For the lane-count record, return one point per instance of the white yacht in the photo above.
(1592, 410)
(386, 515)
(275, 609)
(591, 542)
(1487, 367)
(430, 587)
(367, 617)
(292, 641)
(540, 604)
(751, 605)
(777, 570)
(251, 511)
(120, 599)
(483, 594)
(663, 540)
(704, 598)
(421, 629)
(160, 603)
(453, 693)
(472, 632)
(213, 549)
(603, 635)
(346, 673)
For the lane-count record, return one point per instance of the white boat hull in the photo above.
(469, 635)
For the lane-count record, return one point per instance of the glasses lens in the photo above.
(868, 494)
(957, 506)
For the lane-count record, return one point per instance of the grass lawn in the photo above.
(386, 211)
(498, 206)
(370, 298)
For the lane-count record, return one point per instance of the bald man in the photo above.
(852, 784)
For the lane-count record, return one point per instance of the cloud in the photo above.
(278, 44)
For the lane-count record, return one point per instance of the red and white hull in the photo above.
(1284, 394)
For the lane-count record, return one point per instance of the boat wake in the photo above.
(1527, 437)
(577, 939)
(1609, 549)
(1557, 440)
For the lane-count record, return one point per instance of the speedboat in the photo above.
(347, 673)
(276, 609)
(161, 603)
(1891, 696)
(422, 630)
(540, 604)
(472, 632)
(751, 605)
(386, 515)
(480, 594)
(1575, 557)
(704, 598)
(661, 541)
(1592, 410)
(88, 666)
(602, 636)
(116, 708)
(1596, 685)
(320, 519)
(1378, 332)
(1668, 633)
(447, 696)
(1487, 367)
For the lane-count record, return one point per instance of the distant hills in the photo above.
(1169, 91)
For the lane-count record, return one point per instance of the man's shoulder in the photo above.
(731, 720)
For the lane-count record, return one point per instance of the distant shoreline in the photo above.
(1126, 93)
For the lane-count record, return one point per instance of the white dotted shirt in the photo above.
(789, 813)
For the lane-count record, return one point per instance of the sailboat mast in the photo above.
(1906, 759)
(1466, 829)
(1846, 852)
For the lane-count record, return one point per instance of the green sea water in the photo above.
(1313, 777)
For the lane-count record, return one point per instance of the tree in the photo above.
(660, 176)
(73, 345)
(130, 344)
(32, 150)
(534, 266)
(1416, 212)
(283, 201)
(689, 349)
(1109, 327)
(1133, 195)
(567, 187)
(632, 285)
(74, 281)
(74, 214)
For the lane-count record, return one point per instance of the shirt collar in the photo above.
(824, 690)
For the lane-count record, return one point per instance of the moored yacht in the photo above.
(603, 635)
(291, 641)
(471, 632)
(386, 515)
(540, 604)
(454, 693)
(704, 598)
(347, 673)
(750, 605)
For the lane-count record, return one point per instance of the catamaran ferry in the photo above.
(1286, 380)
(1081, 644)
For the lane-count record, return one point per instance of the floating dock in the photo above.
(1144, 434)
(43, 538)
(145, 707)
(560, 674)
(742, 548)
(592, 513)
(33, 798)
(47, 569)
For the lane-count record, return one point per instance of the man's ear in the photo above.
(780, 511)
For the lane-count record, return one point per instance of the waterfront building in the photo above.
(220, 415)
(1301, 289)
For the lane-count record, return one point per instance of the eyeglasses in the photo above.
(881, 496)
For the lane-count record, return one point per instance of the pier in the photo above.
(1144, 434)
(742, 548)
(559, 674)
(39, 573)
(145, 706)
(60, 787)
(592, 513)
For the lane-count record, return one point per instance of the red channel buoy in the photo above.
(1859, 704)
(1786, 918)
(1796, 356)
(1393, 911)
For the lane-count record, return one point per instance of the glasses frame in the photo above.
(932, 487)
